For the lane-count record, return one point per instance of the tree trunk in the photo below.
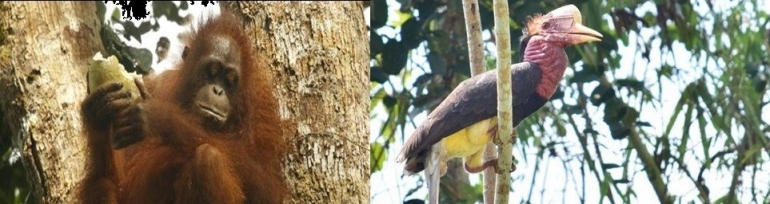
(44, 51)
(318, 53)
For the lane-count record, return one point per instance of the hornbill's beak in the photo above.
(578, 33)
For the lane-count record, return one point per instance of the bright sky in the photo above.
(388, 185)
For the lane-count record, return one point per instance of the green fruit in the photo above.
(103, 70)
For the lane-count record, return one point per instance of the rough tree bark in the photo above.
(44, 48)
(318, 51)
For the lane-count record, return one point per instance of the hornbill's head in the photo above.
(544, 40)
(561, 27)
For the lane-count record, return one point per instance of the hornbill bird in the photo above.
(467, 119)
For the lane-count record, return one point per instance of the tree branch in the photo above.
(652, 169)
(476, 56)
(505, 133)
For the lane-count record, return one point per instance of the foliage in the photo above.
(136, 59)
(14, 187)
(717, 54)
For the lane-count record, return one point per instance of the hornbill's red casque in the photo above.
(467, 119)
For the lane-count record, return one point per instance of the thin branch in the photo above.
(652, 169)
(505, 133)
(476, 56)
(534, 175)
(699, 185)
(473, 31)
(433, 166)
(583, 139)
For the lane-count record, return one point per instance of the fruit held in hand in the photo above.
(103, 70)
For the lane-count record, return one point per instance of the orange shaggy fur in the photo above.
(180, 160)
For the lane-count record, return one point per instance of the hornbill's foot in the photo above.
(499, 171)
(495, 138)
(513, 165)
(488, 164)
(493, 133)
(513, 168)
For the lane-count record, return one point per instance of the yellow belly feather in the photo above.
(469, 142)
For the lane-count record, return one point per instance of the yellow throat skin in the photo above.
(469, 142)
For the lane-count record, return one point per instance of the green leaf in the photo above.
(376, 45)
(623, 180)
(602, 94)
(584, 75)
(630, 116)
(401, 18)
(437, 63)
(608, 166)
(560, 129)
(379, 13)
(411, 33)
(394, 57)
(572, 109)
(377, 98)
(377, 74)
(682, 100)
(376, 157)
(605, 185)
(630, 83)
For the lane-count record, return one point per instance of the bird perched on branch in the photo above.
(467, 119)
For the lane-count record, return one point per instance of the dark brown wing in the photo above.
(475, 99)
